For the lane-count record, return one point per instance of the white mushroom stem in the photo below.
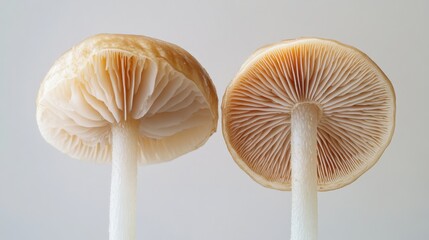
(304, 121)
(122, 225)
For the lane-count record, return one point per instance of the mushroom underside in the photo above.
(114, 87)
(357, 111)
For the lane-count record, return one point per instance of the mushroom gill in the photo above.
(117, 86)
(357, 108)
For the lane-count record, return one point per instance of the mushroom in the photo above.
(308, 115)
(126, 99)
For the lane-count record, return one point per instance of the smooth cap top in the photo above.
(356, 101)
(109, 79)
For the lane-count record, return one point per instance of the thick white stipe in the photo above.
(305, 118)
(122, 225)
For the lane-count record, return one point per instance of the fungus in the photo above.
(308, 115)
(126, 99)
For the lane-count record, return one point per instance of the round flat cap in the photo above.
(355, 98)
(110, 79)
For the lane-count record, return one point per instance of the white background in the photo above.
(44, 194)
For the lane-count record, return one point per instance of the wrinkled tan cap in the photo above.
(356, 99)
(108, 79)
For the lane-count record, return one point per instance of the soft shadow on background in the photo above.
(204, 195)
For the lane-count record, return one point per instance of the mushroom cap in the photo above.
(356, 99)
(109, 79)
